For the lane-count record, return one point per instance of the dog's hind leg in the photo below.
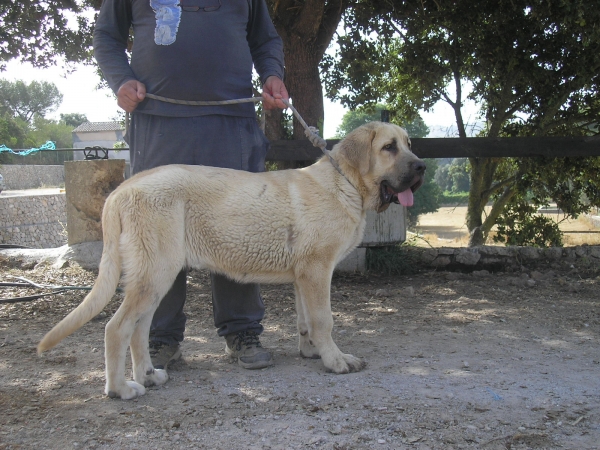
(305, 346)
(131, 325)
(314, 285)
(117, 337)
(143, 372)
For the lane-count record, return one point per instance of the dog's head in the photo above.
(377, 157)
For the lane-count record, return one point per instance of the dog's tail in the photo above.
(104, 288)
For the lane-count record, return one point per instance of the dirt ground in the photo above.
(447, 227)
(481, 361)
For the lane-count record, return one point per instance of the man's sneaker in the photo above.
(245, 346)
(164, 354)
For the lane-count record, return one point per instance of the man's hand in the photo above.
(130, 94)
(273, 91)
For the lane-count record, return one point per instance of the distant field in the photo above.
(446, 227)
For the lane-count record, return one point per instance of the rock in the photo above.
(316, 440)
(481, 273)
(408, 291)
(428, 255)
(451, 276)
(337, 429)
(553, 253)
(529, 253)
(467, 257)
(535, 275)
(569, 254)
(513, 281)
(441, 261)
(337, 296)
(86, 254)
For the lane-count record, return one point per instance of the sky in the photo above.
(80, 95)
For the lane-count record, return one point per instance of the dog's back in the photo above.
(254, 227)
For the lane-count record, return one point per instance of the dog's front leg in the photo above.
(314, 288)
(305, 346)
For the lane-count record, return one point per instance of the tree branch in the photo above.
(489, 192)
(496, 210)
(332, 15)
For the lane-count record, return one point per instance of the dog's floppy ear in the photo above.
(355, 149)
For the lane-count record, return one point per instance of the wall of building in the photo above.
(105, 139)
(86, 138)
(36, 221)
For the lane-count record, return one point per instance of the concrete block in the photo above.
(354, 262)
(87, 184)
(386, 228)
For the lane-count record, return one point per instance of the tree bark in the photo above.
(274, 128)
(306, 29)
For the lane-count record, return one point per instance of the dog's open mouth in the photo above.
(403, 197)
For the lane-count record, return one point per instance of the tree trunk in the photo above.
(274, 128)
(474, 206)
(304, 86)
(306, 30)
(482, 178)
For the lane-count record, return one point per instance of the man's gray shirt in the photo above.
(196, 50)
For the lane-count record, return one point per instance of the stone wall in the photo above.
(493, 258)
(19, 177)
(38, 221)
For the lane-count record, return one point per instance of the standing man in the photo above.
(199, 50)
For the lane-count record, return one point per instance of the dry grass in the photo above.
(581, 232)
(446, 228)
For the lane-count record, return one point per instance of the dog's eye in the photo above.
(409, 145)
(391, 147)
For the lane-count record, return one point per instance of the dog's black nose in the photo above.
(419, 167)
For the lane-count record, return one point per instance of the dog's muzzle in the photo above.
(404, 194)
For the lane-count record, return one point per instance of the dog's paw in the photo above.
(314, 355)
(128, 391)
(354, 364)
(156, 377)
(307, 349)
(345, 363)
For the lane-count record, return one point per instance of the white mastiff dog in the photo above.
(289, 226)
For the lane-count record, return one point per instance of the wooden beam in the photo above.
(295, 151)
(551, 147)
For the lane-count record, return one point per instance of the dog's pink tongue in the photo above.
(406, 198)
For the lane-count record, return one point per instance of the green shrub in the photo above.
(519, 225)
(398, 259)
(454, 198)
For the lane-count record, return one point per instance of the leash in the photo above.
(310, 132)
